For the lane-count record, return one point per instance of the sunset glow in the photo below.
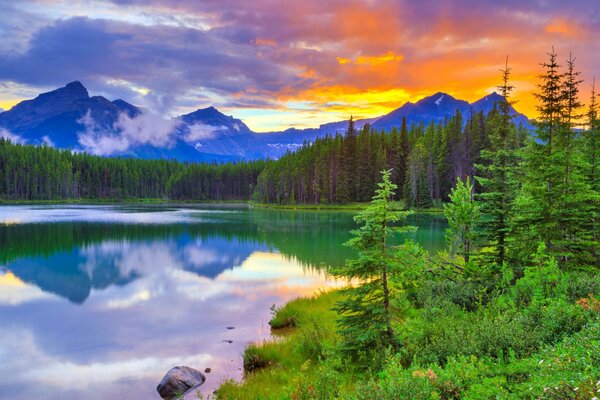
(301, 64)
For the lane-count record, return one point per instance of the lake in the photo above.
(100, 302)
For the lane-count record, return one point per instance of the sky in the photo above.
(277, 64)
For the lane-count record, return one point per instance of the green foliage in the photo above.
(365, 314)
(556, 203)
(44, 173)
(497, 173)
(463, 214)
(321, 382)
(543, 282)
(283, 317)
(258, 356)
(302, 354)
(515, 321)
(425, 163)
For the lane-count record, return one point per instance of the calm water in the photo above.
(99, 302)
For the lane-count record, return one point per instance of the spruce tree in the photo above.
(592, 158)
(555, 202)
(592, 142)
(366, 312)
(496, 172)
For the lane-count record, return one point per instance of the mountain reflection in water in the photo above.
(100, 301)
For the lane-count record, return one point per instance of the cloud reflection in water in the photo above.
(167, 302)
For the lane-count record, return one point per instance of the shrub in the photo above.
(322, 383)
(465, 294)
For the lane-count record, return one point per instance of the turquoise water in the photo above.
(99, 302)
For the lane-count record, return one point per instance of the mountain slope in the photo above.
(69, 118)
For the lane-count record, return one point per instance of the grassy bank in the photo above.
(303, 335)
(448, 352)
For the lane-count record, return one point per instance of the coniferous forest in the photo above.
(45, 173)
(510, 309)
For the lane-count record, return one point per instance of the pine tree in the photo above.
(592, 157)
(592, 142)
(365, 314)
(555, 202)
(496, 172)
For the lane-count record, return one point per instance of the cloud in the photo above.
(167, 60)
(177, 55)
(5, 134)
(47, 141)
(144, 129)
(202, 132)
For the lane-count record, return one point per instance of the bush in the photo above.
(582, 284)
(312, 340)
(322, 383)
(465, 294)
(436, 334)
(569, 370)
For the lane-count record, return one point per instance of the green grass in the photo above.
(555, 358)
(276, 364)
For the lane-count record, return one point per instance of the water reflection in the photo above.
(99, 303)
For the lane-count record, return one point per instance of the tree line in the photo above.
(425, 161)
(44, 173)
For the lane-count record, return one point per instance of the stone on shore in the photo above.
(178, 381)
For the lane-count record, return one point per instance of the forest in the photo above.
(425, 162)
(509, 310)
(45, 173)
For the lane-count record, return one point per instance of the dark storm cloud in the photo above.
(163, 58)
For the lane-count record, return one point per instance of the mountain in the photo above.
(486, 104)
(69, 117)
(434, 108)
(56, 116)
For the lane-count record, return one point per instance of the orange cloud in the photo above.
(372, 60)
(563, 27)
(265, 42)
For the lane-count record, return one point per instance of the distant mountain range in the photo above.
(70, 118)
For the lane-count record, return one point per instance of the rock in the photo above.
(207, 370)
(178, 381)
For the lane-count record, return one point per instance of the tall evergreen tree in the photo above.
(555, 202)
(592, 157)
(592, 142)
(496, 172)
(366, 317)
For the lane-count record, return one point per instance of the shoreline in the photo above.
(398, 206)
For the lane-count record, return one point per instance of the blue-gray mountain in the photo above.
(69, 117)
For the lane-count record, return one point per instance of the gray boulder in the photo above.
(178, 381)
